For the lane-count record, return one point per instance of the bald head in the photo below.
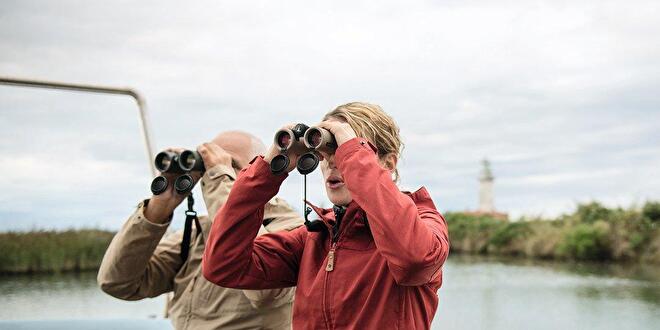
(242, 146)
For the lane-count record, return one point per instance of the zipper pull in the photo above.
(331, 259)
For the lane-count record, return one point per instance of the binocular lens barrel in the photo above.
(183, 184)
(158, 185)
(320, 139)
(168, 162)
(191, 161)
(307, 163)
(283, 139)
(313, 138)
(279, 164)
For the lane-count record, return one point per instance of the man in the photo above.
(140, 263)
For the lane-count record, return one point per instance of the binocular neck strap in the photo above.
(304, 201)
(191, 216)
(316, 225)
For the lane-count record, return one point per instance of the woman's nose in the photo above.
(330, 159)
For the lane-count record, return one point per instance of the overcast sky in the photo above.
(561, 96)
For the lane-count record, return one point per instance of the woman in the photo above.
(378, 266)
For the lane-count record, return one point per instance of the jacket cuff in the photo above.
(139, 218)
(352, 146)
(261, 168)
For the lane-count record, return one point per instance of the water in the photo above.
(478, 293)
(68, 296)
(511, 294)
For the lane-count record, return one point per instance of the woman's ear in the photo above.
(389, 161)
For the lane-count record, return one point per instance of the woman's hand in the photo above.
(342, 131)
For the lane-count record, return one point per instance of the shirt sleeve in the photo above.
(140, 262)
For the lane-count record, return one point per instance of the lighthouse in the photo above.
(486, 204)
(486, 197)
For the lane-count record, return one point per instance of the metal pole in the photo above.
(144, 120)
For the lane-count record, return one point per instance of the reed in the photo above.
(52, 251)
(591, 232)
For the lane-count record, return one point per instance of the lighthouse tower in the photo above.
(486, 204)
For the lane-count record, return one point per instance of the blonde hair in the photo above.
(369, 121)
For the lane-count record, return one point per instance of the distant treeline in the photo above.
(593, 232)
(52, 251)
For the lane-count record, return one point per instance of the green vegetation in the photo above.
(51, 251)
(592, 232)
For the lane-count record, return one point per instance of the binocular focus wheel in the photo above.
(299, 130)
(183, 184)
(158, 185)
(279, 164)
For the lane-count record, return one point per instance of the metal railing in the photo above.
(144, 122)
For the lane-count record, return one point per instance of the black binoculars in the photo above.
(171, 162)
(305, 140)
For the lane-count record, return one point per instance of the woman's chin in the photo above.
(339, 199)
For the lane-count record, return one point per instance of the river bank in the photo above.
(52, 251)
(592, 233)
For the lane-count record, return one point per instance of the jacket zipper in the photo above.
(331, 255)
(331, 258)
(328, 268)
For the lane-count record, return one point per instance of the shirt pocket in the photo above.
(216, 300)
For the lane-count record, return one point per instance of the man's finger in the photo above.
(177, 150)
(196, 175)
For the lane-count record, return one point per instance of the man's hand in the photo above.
(213, 155)
(161, 206)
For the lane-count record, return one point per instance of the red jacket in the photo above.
(382, 272)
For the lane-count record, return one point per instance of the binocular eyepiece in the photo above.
(320, 139)
(190, 160)
(305, 140)
(171, 162)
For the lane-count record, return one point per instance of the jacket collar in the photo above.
(328, 215)
(420, 197)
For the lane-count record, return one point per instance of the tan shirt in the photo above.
(141, 263)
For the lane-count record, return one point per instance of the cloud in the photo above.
(560, 96)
